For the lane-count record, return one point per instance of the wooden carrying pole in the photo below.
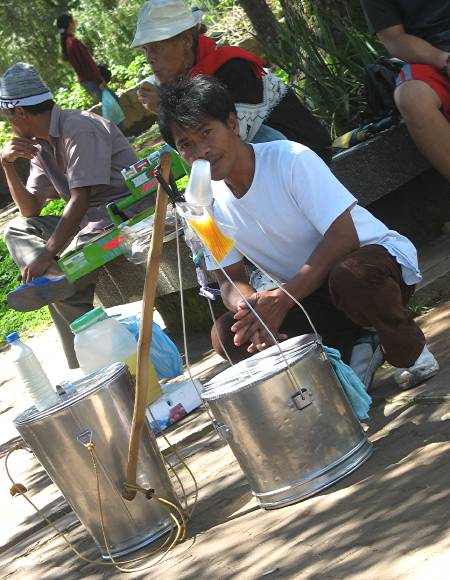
(145, 332)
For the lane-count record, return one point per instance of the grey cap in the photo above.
(22, 85)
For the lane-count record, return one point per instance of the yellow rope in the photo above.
(180, 527)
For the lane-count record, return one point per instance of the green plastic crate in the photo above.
(108, 246)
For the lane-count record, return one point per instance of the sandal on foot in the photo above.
(40, 292)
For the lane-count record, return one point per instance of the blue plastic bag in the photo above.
(164, 353)
(111, 108)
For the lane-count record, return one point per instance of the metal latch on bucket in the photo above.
(222, 430)
(303, 398)
(85, 437)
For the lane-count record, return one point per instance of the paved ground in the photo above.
(387, 520)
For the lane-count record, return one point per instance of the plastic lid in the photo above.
(88, 319)
(12, 337)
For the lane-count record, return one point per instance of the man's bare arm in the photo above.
(70, 221)
(339, 240)
(230, 295)
(29, 204)
(67, 227)
(411, 48)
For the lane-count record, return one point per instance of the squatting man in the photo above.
(294, 219)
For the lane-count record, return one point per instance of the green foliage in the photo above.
(28, 34)
(330, 54)
(5, 133)
(107, 27)
(74, 97)
(126, 77)
(54, 207)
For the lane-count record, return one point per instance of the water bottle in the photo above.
(31, 373)
(101, 341)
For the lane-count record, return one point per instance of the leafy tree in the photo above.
(28, 34)
(323, 47)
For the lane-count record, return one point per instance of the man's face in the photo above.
(20, 122)
(214, 141)
(170, 58)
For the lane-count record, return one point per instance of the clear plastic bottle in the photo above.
(101, 341)
(32, 374)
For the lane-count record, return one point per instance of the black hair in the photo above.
(63, 22)
(38, 109)
(188, 101)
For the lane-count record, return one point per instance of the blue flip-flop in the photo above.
(40, 292)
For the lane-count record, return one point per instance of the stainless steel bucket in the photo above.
(288, 445)
(102, 409)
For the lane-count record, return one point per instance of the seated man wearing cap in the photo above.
(74, 155)
(295, 220)
(267, 109)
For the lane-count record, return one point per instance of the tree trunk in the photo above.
(334, 9)
(269, 33)
(263, 21)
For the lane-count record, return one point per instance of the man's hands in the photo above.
(148, 96)
(18, 147)
(272, 306)
(38, 266)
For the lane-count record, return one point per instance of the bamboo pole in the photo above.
(145, 332)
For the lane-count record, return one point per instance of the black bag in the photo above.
(105, 72)
(379, 85)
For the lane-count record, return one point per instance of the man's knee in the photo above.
(415, 99)
(15, 225)
(222, 339)
(358, 274)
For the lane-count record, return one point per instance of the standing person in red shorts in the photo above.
(418, 32)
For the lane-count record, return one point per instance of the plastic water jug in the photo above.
(101, 341)
(32, 374)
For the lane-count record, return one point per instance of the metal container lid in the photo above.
(84, 387)
(258, 367)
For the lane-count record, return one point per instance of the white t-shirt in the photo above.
(292, 201)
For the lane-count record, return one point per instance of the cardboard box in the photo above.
(178, 400)
(141, 182)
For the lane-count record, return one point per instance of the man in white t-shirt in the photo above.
(296, 221)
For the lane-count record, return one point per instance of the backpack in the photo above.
(379, 85)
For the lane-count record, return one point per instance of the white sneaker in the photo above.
(366, 358)
(425, 367)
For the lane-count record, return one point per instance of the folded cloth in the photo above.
(352, 385)
(40, 292)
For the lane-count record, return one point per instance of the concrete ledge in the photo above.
(380, 165)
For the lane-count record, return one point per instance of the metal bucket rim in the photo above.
(293, 356)
(107, 374)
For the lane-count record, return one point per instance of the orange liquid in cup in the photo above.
(209, 232)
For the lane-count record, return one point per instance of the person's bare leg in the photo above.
(420, 108)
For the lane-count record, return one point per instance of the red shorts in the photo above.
(438, 81)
